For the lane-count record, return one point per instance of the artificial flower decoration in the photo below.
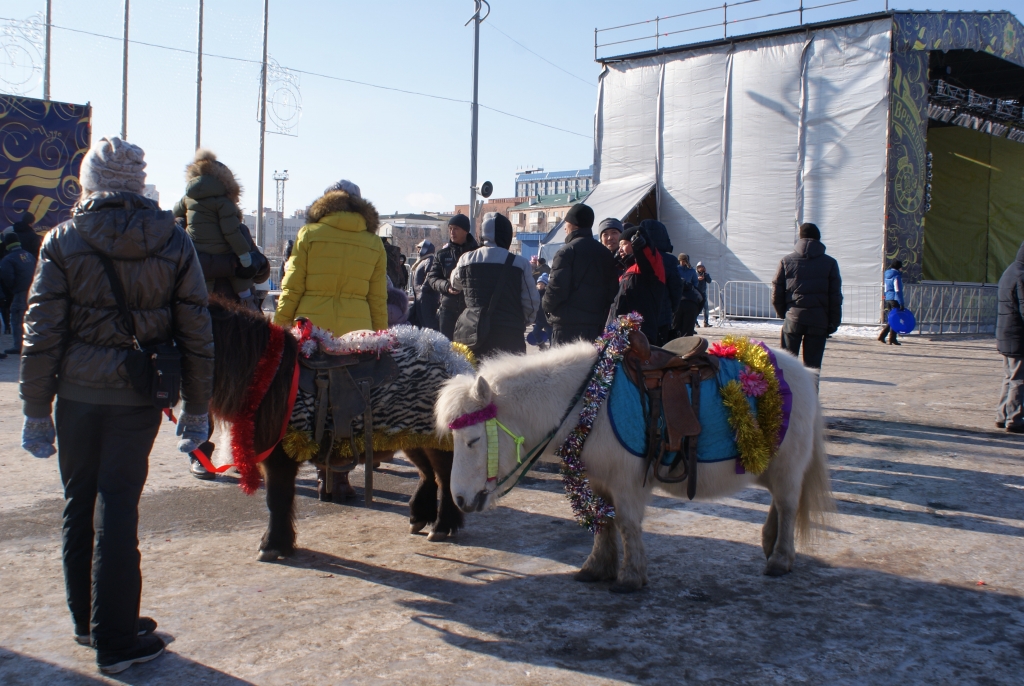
(723, 349)
(753, 383)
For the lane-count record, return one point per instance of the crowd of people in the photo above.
(482, 295)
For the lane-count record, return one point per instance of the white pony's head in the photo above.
(526, 395)
(464, 407)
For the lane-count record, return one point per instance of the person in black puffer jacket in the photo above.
(16, 270)
(452, 301)
(673, 282)
(808, 294)
(582, 284)
(478, 275)
(1010, 344)
(642, 286)
(426, 301)
(75, 348)
(27, 236)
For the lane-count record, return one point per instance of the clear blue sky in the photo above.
(408, 153)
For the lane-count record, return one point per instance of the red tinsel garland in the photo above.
(243, 427)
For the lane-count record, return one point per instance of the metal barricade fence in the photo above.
(953, 308)
(862, 304)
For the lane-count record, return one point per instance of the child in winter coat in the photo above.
(16, 271)
(210, 207)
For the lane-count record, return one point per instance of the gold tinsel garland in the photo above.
(464, 350)
(300, 446)
(756, 437)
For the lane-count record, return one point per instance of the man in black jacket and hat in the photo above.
(27, 236)
(1010, 343)
(453, 303)
(673, 282)
(582, 283)
(808, 294)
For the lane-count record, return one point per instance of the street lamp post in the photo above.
(476, 19)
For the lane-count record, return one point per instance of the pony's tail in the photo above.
(816, 504)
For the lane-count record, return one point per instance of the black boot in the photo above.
(892, 339)
(881, 336)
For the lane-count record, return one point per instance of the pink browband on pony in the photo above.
(473, 418)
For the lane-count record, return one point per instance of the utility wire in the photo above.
(539, 56)
(322, 76)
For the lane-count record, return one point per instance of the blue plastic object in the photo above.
(902, 321)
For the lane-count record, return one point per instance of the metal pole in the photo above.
(199, 80)
(657, 32)
(476, 113)
(725, 20)
(801, 12)
(124, 78)
(595, 43)
(46, 57)
(260, 238)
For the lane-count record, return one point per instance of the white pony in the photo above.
(532, 393)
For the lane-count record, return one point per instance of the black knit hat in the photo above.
(580, 215)
(810, 231)
(461, 221)
(503, 232)
(10, 238)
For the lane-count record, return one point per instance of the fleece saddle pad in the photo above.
(717, 439)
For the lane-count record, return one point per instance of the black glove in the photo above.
(638, 241)
(247, 272)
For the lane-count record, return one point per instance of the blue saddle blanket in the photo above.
(717, 439)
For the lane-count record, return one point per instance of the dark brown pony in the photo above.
(240, 335)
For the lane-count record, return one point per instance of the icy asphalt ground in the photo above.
(920, 582)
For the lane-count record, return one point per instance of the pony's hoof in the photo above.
(776, 569)
(269, 556)
(437, 535)
(417, 527)
(586, 576)
(622, 587)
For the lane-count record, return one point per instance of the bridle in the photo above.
(488, 416)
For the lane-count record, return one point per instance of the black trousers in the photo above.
(567, 334)
(812, 338)
(685, 319)
(16, 317)
(447, 316)
(103, 452)
(890, 305)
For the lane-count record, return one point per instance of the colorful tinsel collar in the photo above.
(312, 338)
(473, 418)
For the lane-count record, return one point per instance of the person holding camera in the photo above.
(642, 286)
(115, 283)
(893, 286)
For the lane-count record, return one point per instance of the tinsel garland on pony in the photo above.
(591, 511)
(757, 437)
(403, 408)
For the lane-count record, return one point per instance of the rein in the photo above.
(489, 417)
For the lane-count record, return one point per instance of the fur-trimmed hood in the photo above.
(213, 174)
(340, 201)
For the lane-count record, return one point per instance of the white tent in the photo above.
(744, 141)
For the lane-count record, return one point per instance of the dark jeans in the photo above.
(103, 453)
(685, 319)
(447, 316)
(707, 307)
(1010, 408)
(890, 305)
(812, 338)
(567, 334)
(16, 318)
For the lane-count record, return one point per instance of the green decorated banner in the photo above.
(41, 149)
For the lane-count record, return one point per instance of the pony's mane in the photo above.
(240, 336)
(515, 381)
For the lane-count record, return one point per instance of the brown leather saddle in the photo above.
(663, 376)
(341, 385)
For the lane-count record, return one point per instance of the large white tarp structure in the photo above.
(745, 141)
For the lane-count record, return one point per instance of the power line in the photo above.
(329, 77)
(539, 56)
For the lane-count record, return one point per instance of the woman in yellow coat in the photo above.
(337, 274)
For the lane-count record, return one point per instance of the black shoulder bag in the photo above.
(154, 369)
(474, 326)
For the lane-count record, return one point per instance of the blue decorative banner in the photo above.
(41, 149)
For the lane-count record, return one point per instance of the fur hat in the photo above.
(810, 231)
(113, 165)
(345, 185)
(206, 164)
(580, 215)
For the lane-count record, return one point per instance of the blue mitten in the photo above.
(194, 429)
(38, 436)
